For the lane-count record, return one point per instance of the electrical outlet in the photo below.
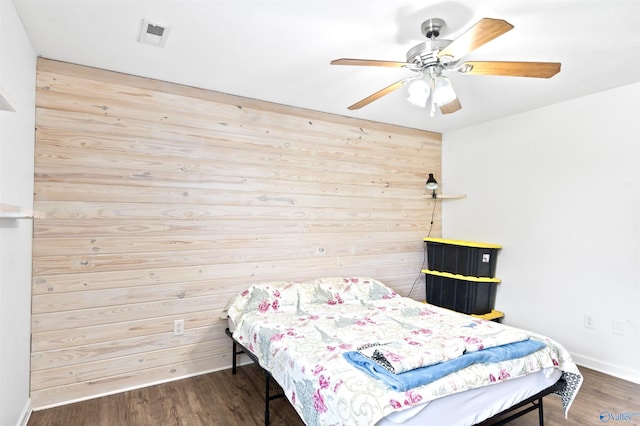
(588, 321)
(618, 327)
(178, 327)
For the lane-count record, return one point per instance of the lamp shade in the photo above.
(432, 183)
(419, 93)
(443, 91)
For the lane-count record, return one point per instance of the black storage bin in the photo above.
(469, 295)
(462, 257)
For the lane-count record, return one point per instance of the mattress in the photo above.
(475, 405)
(472, 406)
(296, 331)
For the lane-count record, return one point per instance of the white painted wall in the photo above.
(559, 188)
(17, 82)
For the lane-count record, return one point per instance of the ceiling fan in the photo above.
(434, 58)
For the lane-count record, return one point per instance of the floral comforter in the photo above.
(300, 331)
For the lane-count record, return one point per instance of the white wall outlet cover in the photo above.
(153, 33)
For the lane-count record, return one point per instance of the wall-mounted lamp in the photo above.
(432, 184)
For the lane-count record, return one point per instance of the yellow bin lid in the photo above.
(462, 243)
(461, 277)
(490, 316)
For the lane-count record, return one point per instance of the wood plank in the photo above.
(223, 279)
(238, 150)
(76, 210)
(391, 265)
(59, 246)
(232, 119)
(111, 384)
(246, 256)
(113, 193)
(70, 320)
(121, 347)
(176, 228)
(100, 126)
(129, 292)
(175, 354)
(263, 188)
(243, 164)
(87, 335)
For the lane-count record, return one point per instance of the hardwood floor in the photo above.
(223, 399)
(599, 393)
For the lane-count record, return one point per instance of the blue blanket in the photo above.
(421, 376)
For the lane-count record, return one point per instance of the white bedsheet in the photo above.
(475, 405)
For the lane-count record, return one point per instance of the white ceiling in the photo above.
(279, 50)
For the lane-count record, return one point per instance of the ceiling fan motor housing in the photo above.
(425, 54)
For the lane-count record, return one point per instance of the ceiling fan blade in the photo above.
(515, 69)
(370, 63)
(481, 33)
(452, 106)
(380, 93)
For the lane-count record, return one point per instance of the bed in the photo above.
(351, 351)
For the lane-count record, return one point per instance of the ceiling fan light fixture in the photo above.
(443, 91)
(419, 93)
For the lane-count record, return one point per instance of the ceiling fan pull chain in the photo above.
(433, 104)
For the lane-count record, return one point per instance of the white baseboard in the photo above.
(25, 415)
(607, 368)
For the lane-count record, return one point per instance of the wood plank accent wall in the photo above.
(162, 201)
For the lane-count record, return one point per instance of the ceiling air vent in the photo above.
(153, 34)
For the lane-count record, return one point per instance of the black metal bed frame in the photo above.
(523, 407)
(234, 366)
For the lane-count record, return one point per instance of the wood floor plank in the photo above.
(223, 399)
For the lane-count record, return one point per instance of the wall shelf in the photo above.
(9, 211)
(5, 105)
(447, 196)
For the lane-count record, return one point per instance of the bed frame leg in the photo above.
(540, 412)
(266, 398)
(233, 358)
(234, 365)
